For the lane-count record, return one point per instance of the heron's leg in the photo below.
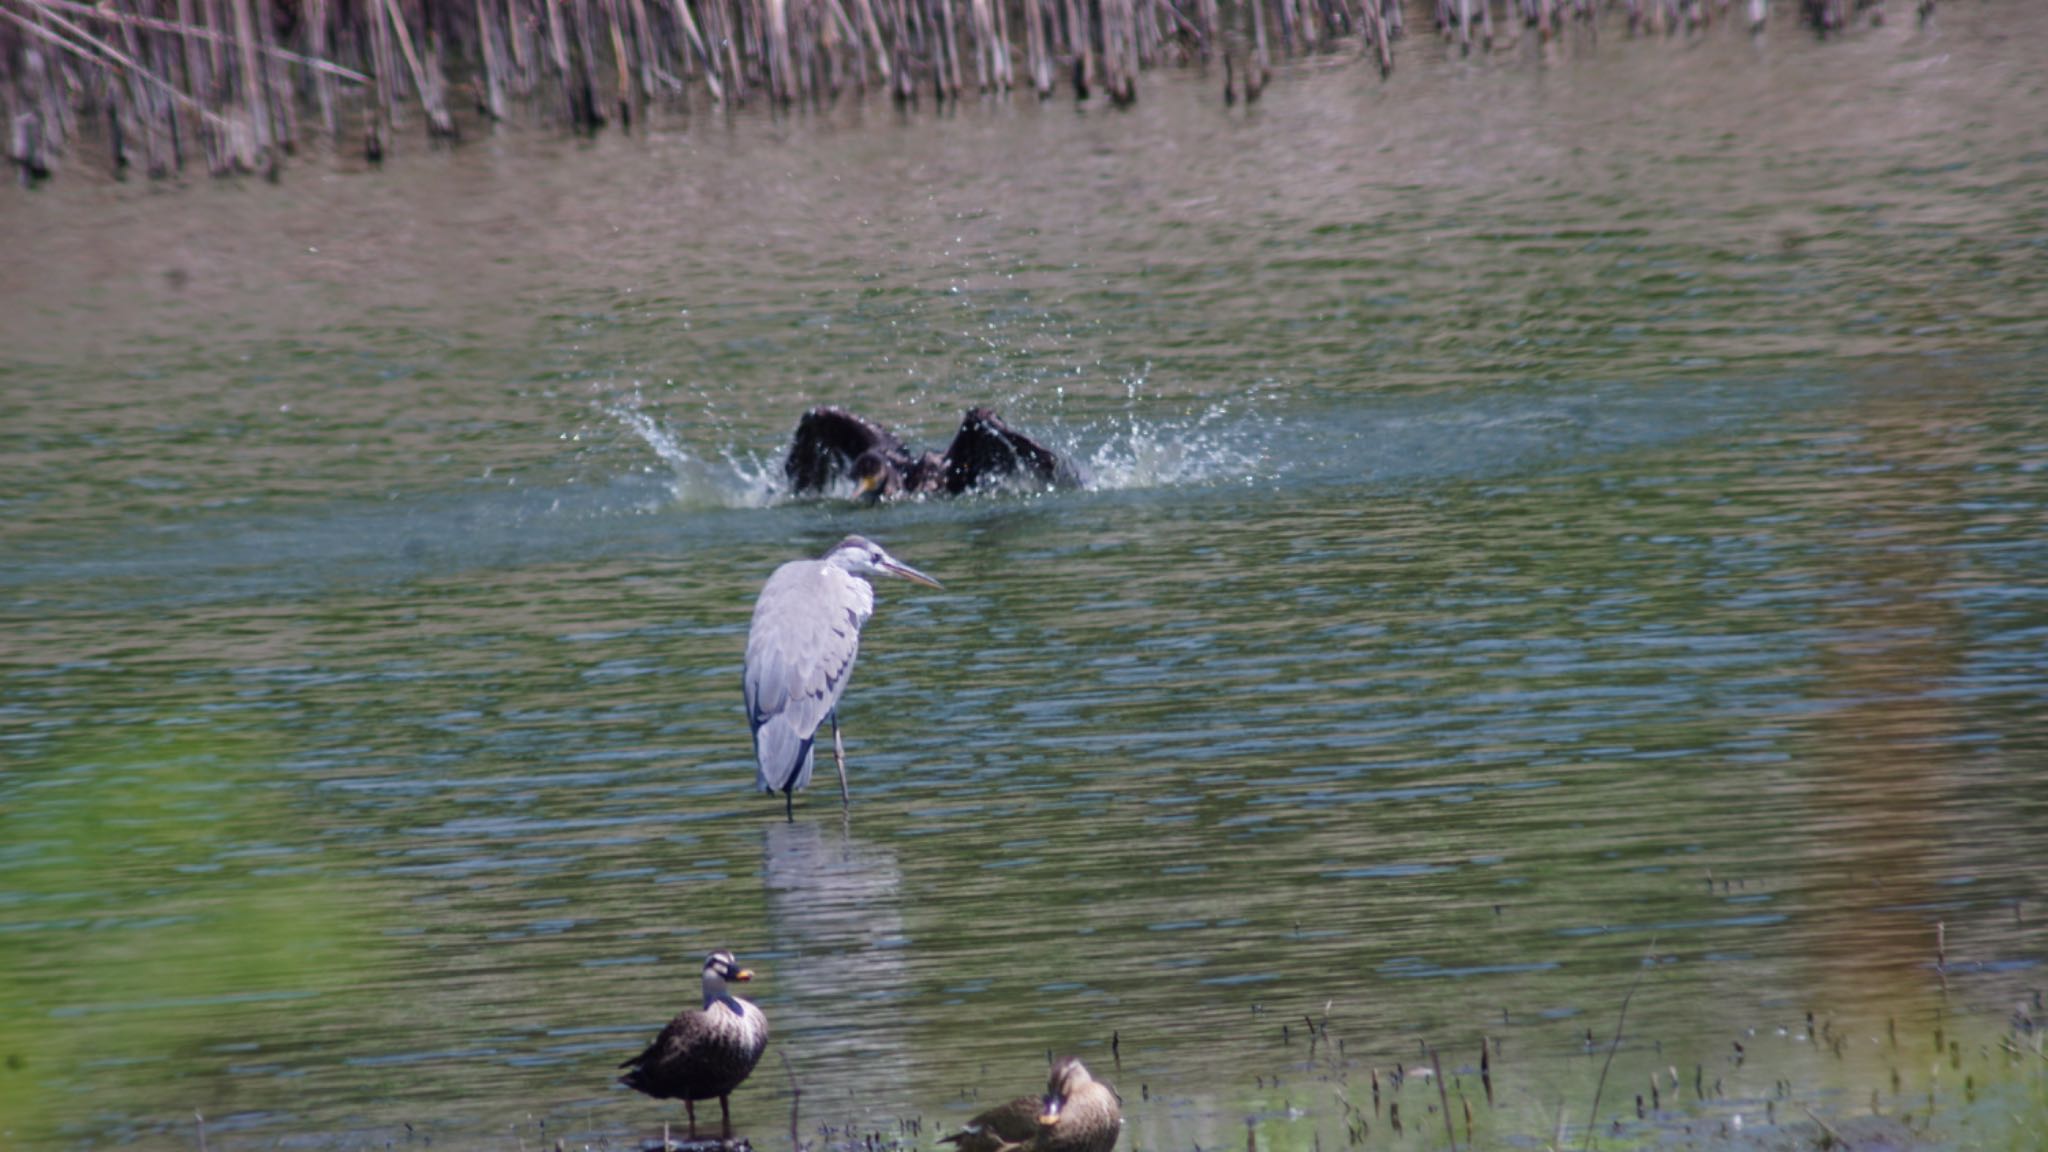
(725, 1117)
(839, 759)
(690, 1106)
(789, 803)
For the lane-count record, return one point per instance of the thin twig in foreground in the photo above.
(796, 1095)
(1593, 1119)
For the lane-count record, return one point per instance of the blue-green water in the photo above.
(1552, 509)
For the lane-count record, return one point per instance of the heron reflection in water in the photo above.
(800, 651)
(833, 448)
(833, 910)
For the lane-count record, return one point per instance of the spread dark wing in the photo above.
(827, 442)
(987, 451)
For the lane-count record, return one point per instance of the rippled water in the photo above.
(1552, 509)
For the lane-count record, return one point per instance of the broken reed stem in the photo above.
(185, 28)
(93, 46)
(438, 120)
(1436, 1067)
(1593, 1118)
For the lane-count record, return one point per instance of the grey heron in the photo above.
(800, 651)
(832, 445)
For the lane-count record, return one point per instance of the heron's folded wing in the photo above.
(800, 651)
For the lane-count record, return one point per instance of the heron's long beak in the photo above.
(868, 487)
(1051, 1113)
(895, 567)
(743, 975)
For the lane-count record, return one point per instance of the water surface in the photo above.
(1552, 509)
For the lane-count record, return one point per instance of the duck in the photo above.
(1078, 1113)
(833, 447)
(704, 1052)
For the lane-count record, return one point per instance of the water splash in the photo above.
(732, 480)
(1218, 445)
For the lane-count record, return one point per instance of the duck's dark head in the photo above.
(876, 477)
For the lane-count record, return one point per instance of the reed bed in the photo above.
(234, 85)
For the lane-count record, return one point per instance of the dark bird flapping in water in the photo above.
(833, 447)
(800, 651)
(1078, 1113)
(704, 1052)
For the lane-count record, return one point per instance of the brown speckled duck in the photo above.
(1078, 1113)
(704, 1053)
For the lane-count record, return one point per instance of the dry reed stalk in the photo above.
(622, 61)
(1035, 60)
(643, 29)
(704, 55)
(984, 44)
(586, 109)
(873, 29)
(283, 109)
(377, 112)
(1262, 61)
(781, 84)
(734, 37)
(39, 133)
(87, 46)
(169, 50)
(558, 37)
(438, 121)
(252, 138)
(848, 34)
(1377, 36)
(950, 35)
(193, 32)
(519, 42)
(1126, 89)
(1287, 32)
(1078, 48)
(316, 47)
(150, 115)
(213, 49)
(493, 101)
(196, 76)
